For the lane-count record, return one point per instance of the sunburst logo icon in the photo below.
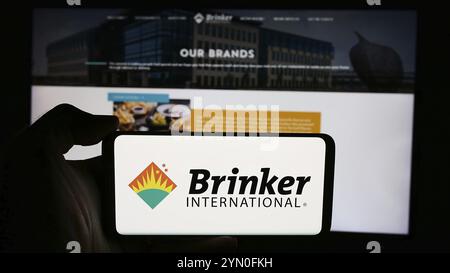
(152, 185)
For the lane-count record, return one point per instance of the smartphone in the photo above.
(220, 185)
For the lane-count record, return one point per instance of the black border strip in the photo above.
(306, 4)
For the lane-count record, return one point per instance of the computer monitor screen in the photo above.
(346, 73)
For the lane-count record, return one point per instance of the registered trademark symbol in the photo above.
(305, 204)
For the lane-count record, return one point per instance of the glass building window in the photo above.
(132, 49)
(149, 27)
(148, 45)
(131, 34)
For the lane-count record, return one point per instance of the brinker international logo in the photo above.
(212, 18)
(198, 18)
(152, 185)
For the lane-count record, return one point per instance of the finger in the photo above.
(65, 126)
(93, 165)
(101, 175)
(96, 168)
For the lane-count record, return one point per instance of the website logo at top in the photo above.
(212, 18)
(73, 2)
(198, 18)
(152, 185)
(374, 2)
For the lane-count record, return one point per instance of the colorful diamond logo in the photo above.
(152, 185)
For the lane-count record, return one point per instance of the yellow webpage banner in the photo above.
(203, 120)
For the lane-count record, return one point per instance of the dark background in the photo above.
(430, 207)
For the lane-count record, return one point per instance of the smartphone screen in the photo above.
(222, 185)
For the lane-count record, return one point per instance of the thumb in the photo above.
(65, 126)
